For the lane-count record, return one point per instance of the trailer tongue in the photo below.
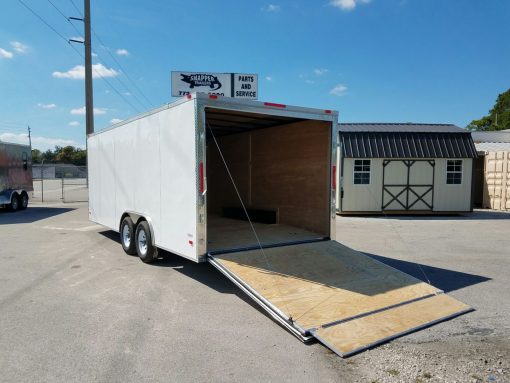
(343, 298)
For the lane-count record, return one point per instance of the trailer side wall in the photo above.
(148, 166)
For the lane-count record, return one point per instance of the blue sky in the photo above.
(439, 61)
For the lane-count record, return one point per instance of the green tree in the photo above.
(36, 156)
(498, 118)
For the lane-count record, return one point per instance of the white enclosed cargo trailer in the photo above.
(15, 175)
(250, 187)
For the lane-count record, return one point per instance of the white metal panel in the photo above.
(125, 170)
(102, 181)
(177, 146)
(93, 174)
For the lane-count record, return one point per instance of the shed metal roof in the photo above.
(493, 146)
(498, 136)
(423, 141)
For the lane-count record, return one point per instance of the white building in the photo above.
(404, 168)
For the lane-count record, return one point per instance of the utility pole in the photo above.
(29, 138)
(89, 100)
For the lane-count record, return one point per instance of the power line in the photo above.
(65, 17)
(78, 52)
(44, 21)
(99, 58)
(114, 59)
(122, 68)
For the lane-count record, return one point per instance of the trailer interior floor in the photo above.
(344, 298)
(226, 234)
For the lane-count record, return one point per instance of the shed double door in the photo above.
(408, 185)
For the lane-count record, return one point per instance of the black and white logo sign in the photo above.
(237, 85)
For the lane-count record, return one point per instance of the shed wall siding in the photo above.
(368, 198)
(452, 197)
(362, 197)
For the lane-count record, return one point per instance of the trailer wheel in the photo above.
(14, 205)
(144, 248)
(23, 201)
(127, 236)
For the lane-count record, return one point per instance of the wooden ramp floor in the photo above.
(344, 298)
(225, 233)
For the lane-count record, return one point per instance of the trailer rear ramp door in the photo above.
(345, 299)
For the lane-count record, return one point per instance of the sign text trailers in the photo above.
(236, 85)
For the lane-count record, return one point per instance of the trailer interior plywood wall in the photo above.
(283, 168)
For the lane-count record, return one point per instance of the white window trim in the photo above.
(461, 172)
(369, 172)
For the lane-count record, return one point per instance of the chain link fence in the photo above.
(59, 183)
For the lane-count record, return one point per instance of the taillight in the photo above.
(201, 175)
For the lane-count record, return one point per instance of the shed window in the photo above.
(454, 172)
(361, 172)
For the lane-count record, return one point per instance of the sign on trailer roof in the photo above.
(236, 85)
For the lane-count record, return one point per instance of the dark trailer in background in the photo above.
(15, 175)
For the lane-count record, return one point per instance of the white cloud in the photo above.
(269, 78)
(93, 54)
(127, 93)
(272, 8)
(115, 120)
(19, 47)
(5, 54)
(47, 106)
(338, 90)
(41, 143)
(310, 81)
(81, 111)
(78, 72)
(122, 52)
(74, 123)
(320, 71)
(347, 5)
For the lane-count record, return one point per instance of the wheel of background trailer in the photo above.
(14, 202)
(23, 201)
(144, 248)
(127, 236)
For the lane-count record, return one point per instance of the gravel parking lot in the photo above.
(74, 307)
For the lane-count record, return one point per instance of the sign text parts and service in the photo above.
(237, 85)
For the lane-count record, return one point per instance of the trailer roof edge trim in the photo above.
(232, 103)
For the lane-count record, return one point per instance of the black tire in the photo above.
(143, 240)
(23, 201)
(127, 236)
(14, 205)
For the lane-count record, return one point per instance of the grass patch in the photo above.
(393, 372)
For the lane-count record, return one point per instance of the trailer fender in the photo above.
(137, 218)
(6, 195)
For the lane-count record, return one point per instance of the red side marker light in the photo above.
(327, 111)
(190, 242)
(213, 96)
(189, 96)
(275, 105)
(201, 175)
(334, 177)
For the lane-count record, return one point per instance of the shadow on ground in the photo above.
(476, 215)
(204, 273)
(444, 279)
(31, 214)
